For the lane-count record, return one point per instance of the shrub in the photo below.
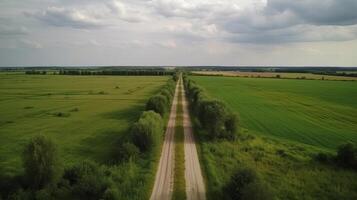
(21, 195)
(231, 124)
(111, 194)
(41, 162)
(87, 180)
(128, 151)
(244, 185)
(166, 93)
(347, 156)
(322, 157)
(158, 103)
(147, 131)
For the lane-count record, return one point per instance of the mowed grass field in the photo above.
(84, 115)
(318, 113)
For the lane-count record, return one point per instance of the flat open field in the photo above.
(274, 74)
(284, 124)
(318, 113)
(83, 114)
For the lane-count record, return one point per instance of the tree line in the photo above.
(36, 72)
(213, 115)
(117, 72)
(45, 177)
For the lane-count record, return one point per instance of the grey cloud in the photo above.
(299, 33)
(62, 17)
(328, 12)
(6, 30)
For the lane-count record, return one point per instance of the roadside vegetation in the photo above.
(179, 192)
(128, 173)
(258, 164)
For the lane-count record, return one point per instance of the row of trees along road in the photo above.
(214, 116)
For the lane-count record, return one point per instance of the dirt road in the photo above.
(195, 188)
(163, 185)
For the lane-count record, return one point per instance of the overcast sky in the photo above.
(178, 32)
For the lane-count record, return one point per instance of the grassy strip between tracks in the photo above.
(179, 192)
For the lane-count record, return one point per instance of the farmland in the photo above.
(275, 74)
(284, 124)
(84, 115)
(318, 113)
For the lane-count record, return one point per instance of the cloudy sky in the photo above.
(178, 32)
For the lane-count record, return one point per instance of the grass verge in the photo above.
(179, 192)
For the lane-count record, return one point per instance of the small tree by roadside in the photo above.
(147, 131)
(157, 103)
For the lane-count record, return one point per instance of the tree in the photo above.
(165, 92)
(158, 103)
(147, 131)
(212, 115)
(128, 151)
(41, 162)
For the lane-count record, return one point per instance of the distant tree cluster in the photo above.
(213, 115)
(36, 72)
(117, 72)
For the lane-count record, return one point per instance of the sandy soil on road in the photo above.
(163, 185)
(195, 188)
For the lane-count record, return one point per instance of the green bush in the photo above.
(87, 180)
(41, 162)
(347, 155)
(246, 185)
(128, 151)
(166, 93)
(158, 103)
(147, 132)
(111, 194)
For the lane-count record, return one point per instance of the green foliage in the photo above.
(87, 180)
(166, 93)
(111, 194)
(158, 103)
(246, 185)
(147, 132)
(41, 162)
(347, 156)
(128, 151)
(214, 115)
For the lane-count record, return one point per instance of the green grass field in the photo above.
(283, 125)
(84, 115)
(318, 113)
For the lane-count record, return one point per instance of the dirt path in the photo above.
(163, 185)
(195, 188)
